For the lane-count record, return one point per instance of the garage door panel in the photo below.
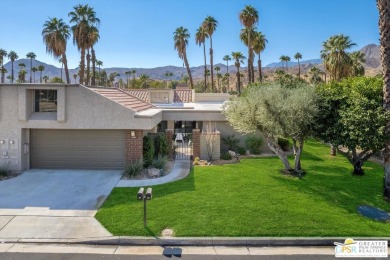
(77, 149)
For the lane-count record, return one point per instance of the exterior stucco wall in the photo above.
(211, 97)
(192, 115)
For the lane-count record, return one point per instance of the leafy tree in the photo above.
(238, 60)
(180, 37)
(148, 150)
(56, 80)
(210, 25)
(31, 56)
(249, 16)
(12, 56)
(275, 111)
(200, 38)
(160, 146)
(298, 57)
(55, 35)
(352, 115)
(3, 54)
(384, 24)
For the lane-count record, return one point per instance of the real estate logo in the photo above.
(352, 248)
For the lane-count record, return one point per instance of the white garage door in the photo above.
(77, 149)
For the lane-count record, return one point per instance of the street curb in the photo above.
(197, 241)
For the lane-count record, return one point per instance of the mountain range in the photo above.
(371, 51)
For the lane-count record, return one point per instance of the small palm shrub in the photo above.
(241, 150)
(148, 151)
(231, 142)
(226, 156)
(134, 169)
(284, 143)
(160, 162)
(253, 143)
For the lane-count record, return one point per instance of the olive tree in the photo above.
(352, 115)
(275, 111)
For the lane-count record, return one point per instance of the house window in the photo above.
(45, 100)
(159, 97)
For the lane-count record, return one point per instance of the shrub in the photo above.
(196, 163)
(160, 162)
(226, 156)
(197, 159)
(148, 151)
(253, 143)
(241, 150)
(160, 145)
(231, 142)
(284, 143)
(3, 171)
(134, 169)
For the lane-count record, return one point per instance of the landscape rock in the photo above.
(154, 172)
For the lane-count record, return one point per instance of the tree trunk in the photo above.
(238, 81)
(333, 150)
(31, 70)
(65, 62)
(252, 67)
(62, 67)
(260, 72)
(188, 69)
(205, 65)
(227, 71)
(88, 68)
(384, 25)
(93, 83)
(82, 64)
(357, 167)
(299, 70)
(12, 72)
(279, 152)
(211, 64)
(297, 154)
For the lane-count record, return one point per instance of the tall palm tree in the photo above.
(384, 25)
(218, 69)
(75, 77)
(62, 66)
(210, 25)
(200, 38)
(357, 60)
(55, 34)
(238, 60)
(249, 16)
(41, 68)
(298, 57)
(99, 63)
(31, 56)
(282, 60)
(12, 56)
(34, 69)
(259, 43)
(337, 61)
(246, 34)
(3, 54)
(83, 17)
(287, 59)
(144, 80)
(94, 37)
(127, 73)
(180, 37)
(133, 72)
(227, 59)
(45, 78)
(22, 72)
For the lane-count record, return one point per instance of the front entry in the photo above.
(182, 139)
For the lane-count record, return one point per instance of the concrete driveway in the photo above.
(58, 189)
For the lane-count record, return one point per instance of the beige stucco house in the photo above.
(73, 126)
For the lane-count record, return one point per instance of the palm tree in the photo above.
(259, 43)
(210, 25)
(239, 59)
(180, 37)
(249, 16)
(287, 59)
(315, 75)
(282, 60)
(83, 17)
(34, 69)
(62, 66)
(227, 59)
(217, 69)
(31, 56)
(133, 72)
(298, 57)
(55, 34)
(22, 73)
(45, 78)
(251, 32)
(384, 24)
(127, 73)
(99, 63)
(200, 38)
(41, 68)
(336, 59)
(93, 39)
(75, 77)
(357, 60)
(12, 56)
(144, 80)
(3, 54)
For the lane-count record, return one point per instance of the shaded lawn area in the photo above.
(253, 199)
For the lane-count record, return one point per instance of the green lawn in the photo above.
(253, 199)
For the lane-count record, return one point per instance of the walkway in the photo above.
(180, 170)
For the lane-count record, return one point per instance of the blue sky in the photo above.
(138, 33)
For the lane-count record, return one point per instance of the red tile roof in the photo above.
(183, 96)
(123, 98)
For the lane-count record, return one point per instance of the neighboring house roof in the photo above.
(139, 93)
(183, 96)
(123, 98)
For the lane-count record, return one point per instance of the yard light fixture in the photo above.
(132, 134)
(141, 195)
